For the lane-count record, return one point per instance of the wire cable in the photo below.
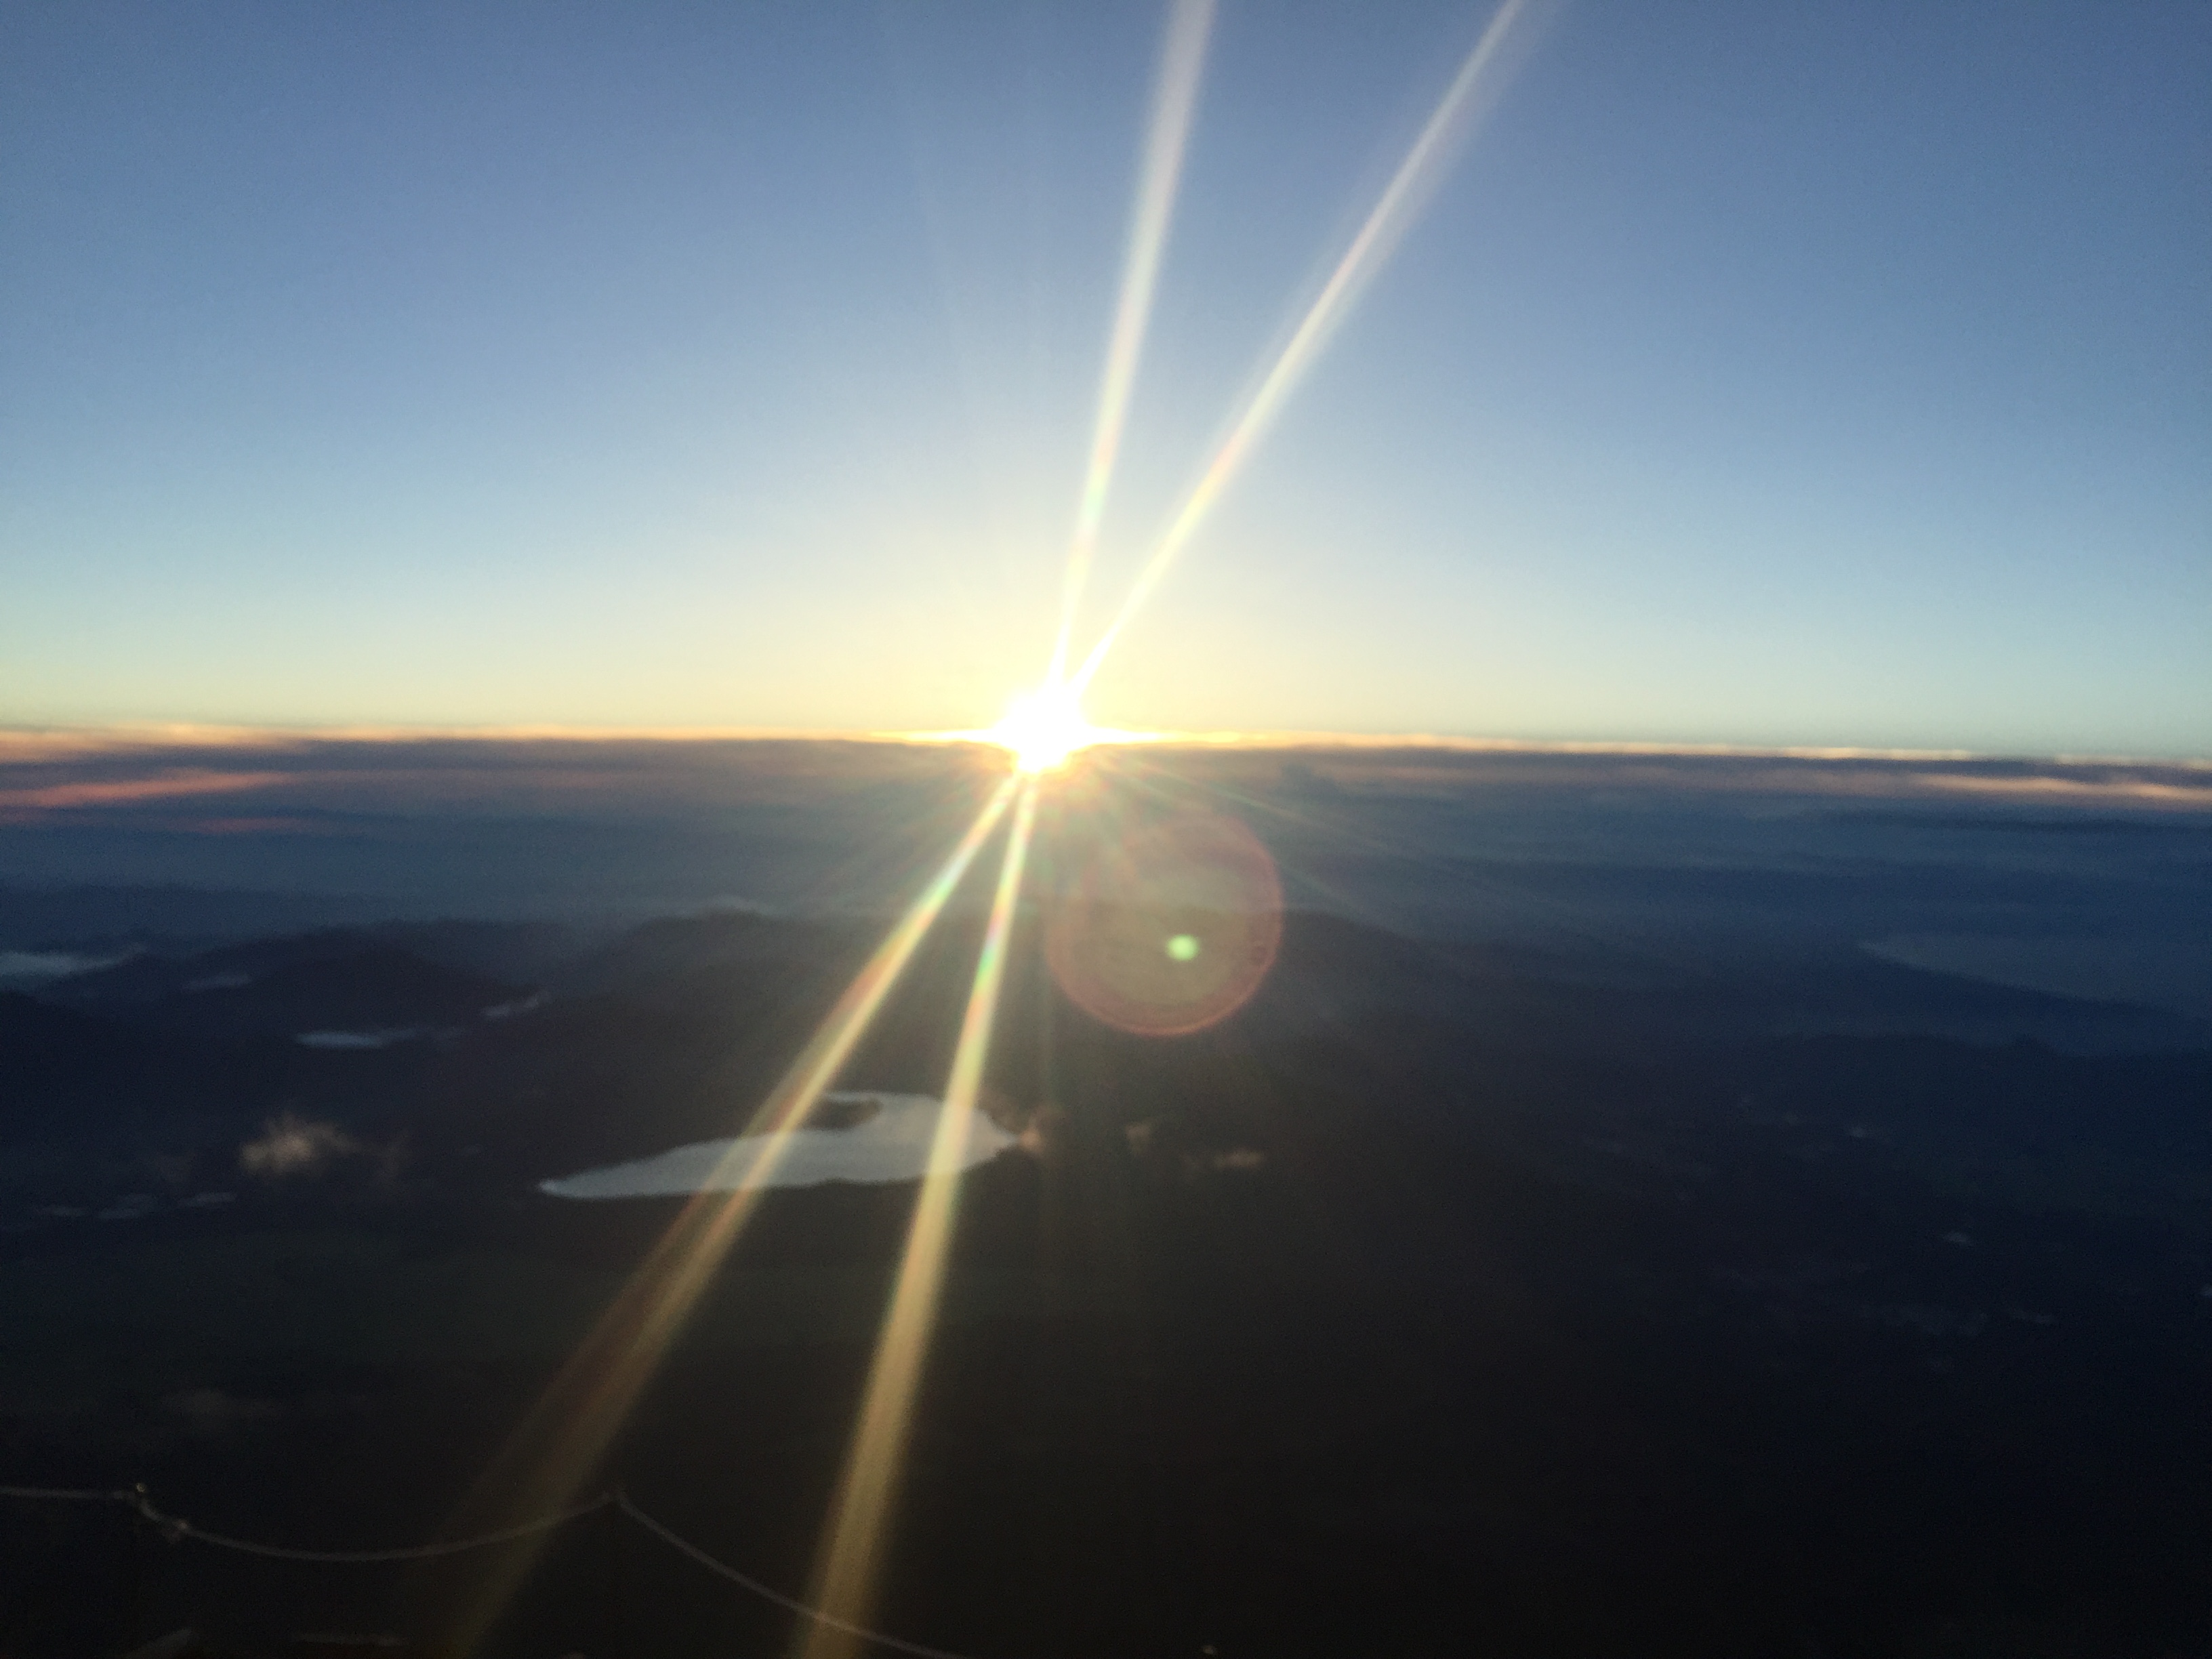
(176, 1528)
(788, 1603)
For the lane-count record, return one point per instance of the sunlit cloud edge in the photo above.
(58, 744)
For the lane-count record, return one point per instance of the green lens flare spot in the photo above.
(1183, 947)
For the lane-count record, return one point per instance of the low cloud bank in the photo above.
(386, 824)
(304, 781)
(382, 1036)
(21, 969)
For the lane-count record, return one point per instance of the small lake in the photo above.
(863, 1137)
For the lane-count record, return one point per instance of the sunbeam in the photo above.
(1182, 56)
(845, 1577)
(1472, 91)
(569, 1430)
(560, 1443)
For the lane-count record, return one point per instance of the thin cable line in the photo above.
(788, 1603)
(176, 1526)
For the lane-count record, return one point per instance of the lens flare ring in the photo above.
(1167, 934)
(1170, 929)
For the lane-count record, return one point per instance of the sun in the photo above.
(1042, 728)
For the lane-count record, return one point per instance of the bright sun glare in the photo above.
(578, 1417)
(1043, 727)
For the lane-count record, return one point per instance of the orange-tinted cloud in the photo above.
(118, 791)
(303, 775)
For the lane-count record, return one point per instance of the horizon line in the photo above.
(32, 743)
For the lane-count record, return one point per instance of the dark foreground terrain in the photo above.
(1517, 1296)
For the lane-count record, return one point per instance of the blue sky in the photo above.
(1759, 374)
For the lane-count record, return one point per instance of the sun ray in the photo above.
(568, 1429)
(845, 1579)
(1182, 56)
(1472, 91)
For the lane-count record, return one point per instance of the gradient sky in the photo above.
(1760, 374)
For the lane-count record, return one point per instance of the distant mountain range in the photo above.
(1450, 1296)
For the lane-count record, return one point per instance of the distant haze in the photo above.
(2080, 878)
